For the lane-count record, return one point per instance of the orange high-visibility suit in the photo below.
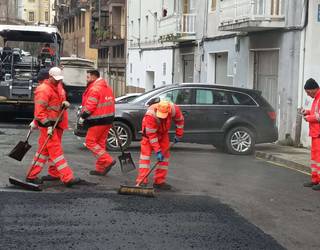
(48, 100)
(313, 117)
(156, 138)
(98, 111)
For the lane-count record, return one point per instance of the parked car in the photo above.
(230, 118)
(127, 98)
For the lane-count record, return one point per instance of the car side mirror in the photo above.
(153, 101)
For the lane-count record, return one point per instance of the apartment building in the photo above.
(11, 12)
(163, 42)
(73, 18)
(37, 11)
(108, 36)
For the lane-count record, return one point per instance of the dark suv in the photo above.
(232, 119)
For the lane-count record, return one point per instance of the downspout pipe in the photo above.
(297, 139)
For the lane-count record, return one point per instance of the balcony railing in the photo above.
(110, 35)
(246, 13)
(178, 27)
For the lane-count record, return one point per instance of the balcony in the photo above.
(178, 28)
(110, 36)
(251, 15)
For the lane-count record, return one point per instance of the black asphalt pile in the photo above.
(110, 221)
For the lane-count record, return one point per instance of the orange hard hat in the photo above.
(163, 109)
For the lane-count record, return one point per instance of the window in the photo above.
(31, 16)
(83, 19)
(130, 67)
(46, 16)
(212, 97)
(213, 5)
(178, 96)
(204, 96)
(147, 27)
(242, 99)
(104, 20)
(122, 51)
(164, 69)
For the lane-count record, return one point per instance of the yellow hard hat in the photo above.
(163, 109)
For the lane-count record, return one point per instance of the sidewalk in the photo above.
(297, 158)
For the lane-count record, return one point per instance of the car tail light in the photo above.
(272, 115)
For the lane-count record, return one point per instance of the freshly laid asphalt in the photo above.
(110, 221)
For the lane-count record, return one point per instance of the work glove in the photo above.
(65, 104)
(33, 125)
(177, 139)
(307, 118)
(160, 156)
(81, 121)
(50, 131)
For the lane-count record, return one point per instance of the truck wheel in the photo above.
(240, 141)
(125, 136)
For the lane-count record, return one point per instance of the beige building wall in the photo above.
(37, 11)
(76, 37)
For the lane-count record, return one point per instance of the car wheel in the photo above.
(240, 141)
(125, 136)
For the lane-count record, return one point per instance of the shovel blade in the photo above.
(23, 184)
(20, 150)
(126, 163)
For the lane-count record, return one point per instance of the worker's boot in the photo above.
(49, 178)
(316, 187)
(107, 170)
(34, 181)
(162, 186)
(310, 184)
(72, 182)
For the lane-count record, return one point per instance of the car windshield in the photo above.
(146, 95)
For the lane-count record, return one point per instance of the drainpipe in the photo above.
(301, 74)
(173, 60)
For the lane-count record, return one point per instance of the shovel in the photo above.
(20, 150)
(27, 185)
(126, 163)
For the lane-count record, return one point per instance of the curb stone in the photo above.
(281, 160)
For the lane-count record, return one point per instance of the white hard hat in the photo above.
(56, 73)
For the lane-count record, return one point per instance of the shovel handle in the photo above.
(28, 135)
(47, 139)
(119, 141)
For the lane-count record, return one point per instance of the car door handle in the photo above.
(226, 113)
(185, 113)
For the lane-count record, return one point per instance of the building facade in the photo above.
(73, 18)
(11, 12)
(163, 39)
(108, 36)
(37, 11)
(253, 44)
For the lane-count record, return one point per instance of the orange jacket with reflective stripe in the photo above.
(48, 99)
(155, 128)
(313, 116)
(98, 104)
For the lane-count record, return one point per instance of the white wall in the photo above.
(152, 60)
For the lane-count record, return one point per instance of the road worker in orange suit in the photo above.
(49, 99)
(97, 114)
(313, 117)
(155, 130)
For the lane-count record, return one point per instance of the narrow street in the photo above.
(219, 201)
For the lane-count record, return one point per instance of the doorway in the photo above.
(149, 80)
